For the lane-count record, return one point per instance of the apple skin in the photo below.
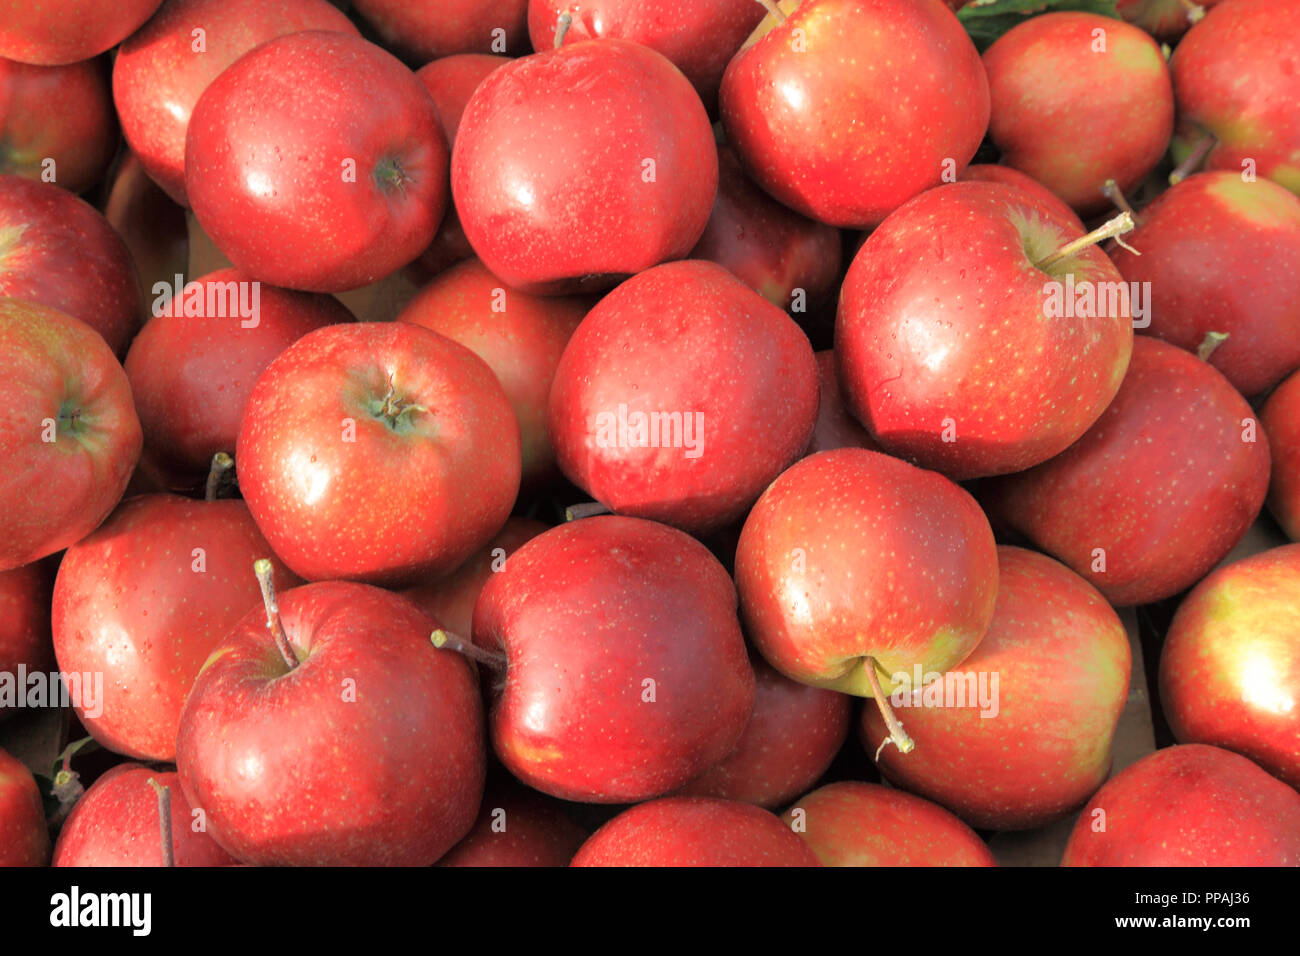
(694, 831)
(790, 740)
(1223, 255)
(59, 113)
(1072, 116)
(158, 76)
(53, 494)
(24, 839)
(415, 491)
(1230, 664)
(820, 128)
(1063, 662)
(450, 599)
(866, 824)
(572, 718)
(115, 823)
(191, 375)
(537, 832)
(1235, 77)
(1189, 805)
(56, 32)
(153, 227)
(554, 199)
(943, 333)
(700, 39)
(521, 338)
(130, 603)
(426, 31)
(828, 570)
(1166, 20)
(267, 154)
(687, 338)
(59, 251)
(771, 249)
(835, 427)
(25, 638)
(1164, 483)
(1281, 419)
(292, 773)
(991, 173)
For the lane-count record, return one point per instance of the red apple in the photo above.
(449, 599)
(1223, 256)
(378, 451)
(960, 342)
(1079, 98)
(25, 639)
(144, 601)
(337, 737)
(681, 396)
(791, 261)
(59, 251)
(854, 567)
(699, 38)
(116, 823)
(1189, 806)
(521, 337)
(518, 827)
(626, 673)
(835, 427)
(1281, 419)
(1230, 664)
(153, 227)
(24, 840)
(694, 831)
(1236, 83)
(989, 173)
(812, 105)
(193, 366)
(57, 123)
(790, 740)
(162, 69)
(865, 824)
(1157, 492)
(71, 437)
(557, 199)
(1165, 20)
(1020, 734)
(423, 31)
(315, 162)
(54, 32)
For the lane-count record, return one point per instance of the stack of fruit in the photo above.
(420, 449)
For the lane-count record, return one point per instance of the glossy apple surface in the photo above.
(25, 639)
(555, 199)
(990, 173)
(723, 382)
(55, 32)
(626, 672)
(24, 840)
(694, 831)
(518, 827)
(1189, 805)
(315, 163)
(1281, 418)
(378, 451)
(369, 751)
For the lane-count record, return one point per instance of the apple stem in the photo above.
(262, 568)
(1193, 160)
(562, 24)
(165, 821)
(221, 466)
(1111, 229)
(489, 659)
(1195, 12)
(1110, 189)
(897, 735)
(1211, 342)
(586, 509)
(771, 7)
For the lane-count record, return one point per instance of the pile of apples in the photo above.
(445, 452)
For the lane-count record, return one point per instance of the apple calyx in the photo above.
(390, 175)
(165, 821)
(1111, 229)
(489, 659)
(1208, 344)
(585, 509)
(220, 477)
(1194, 159)
(562, 24)
(897, 735)
(395, 410)
(262, 568)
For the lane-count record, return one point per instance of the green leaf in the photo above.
(986, 20)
